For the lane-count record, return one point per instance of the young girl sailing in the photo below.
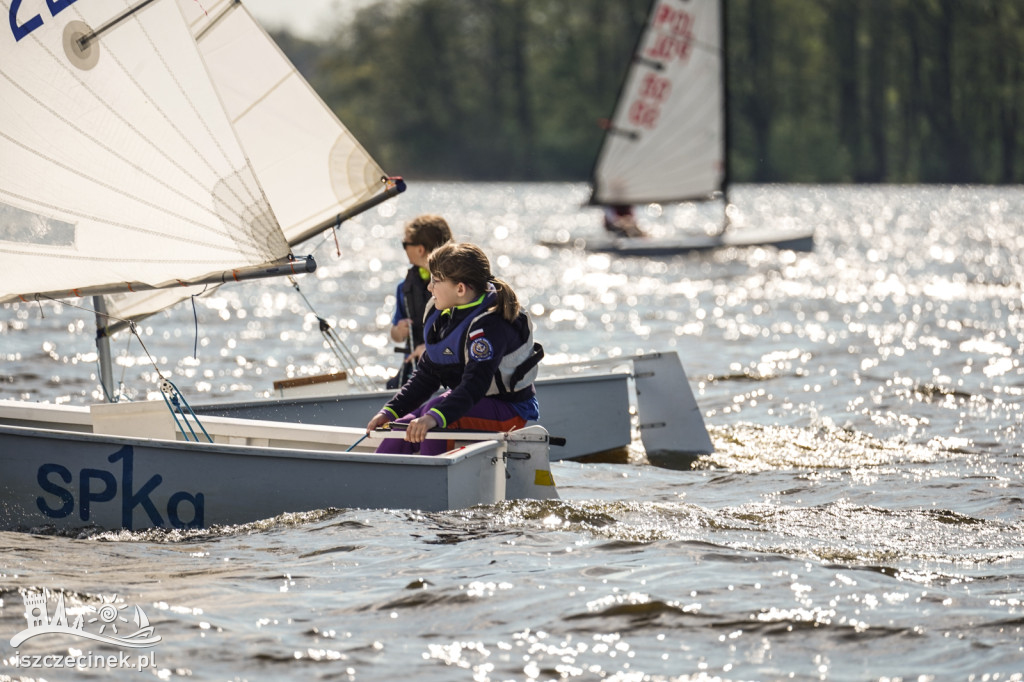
(479, 344)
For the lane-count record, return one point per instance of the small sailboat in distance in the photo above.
(667, 140)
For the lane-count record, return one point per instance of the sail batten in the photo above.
(85, 136)
(84, 40)
(666, 138)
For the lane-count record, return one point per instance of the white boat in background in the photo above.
(586, 407)
(667, 140)
(123, 173)
(791, 240)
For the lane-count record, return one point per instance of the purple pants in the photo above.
(490, 414)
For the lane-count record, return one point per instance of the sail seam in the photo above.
(118, 156)
(266, 230)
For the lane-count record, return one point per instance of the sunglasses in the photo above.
(406, 245)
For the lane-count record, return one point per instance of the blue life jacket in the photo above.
(517, 370)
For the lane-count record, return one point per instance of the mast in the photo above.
(608, 124)
(103, 348)
(724, 32)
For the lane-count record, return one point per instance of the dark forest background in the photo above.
(891, 91)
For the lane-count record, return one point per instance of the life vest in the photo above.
(518, 368)
(415, 296)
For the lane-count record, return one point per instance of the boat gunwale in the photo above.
(446, 459)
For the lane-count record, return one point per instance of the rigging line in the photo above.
(195, 319)
(80, 307)
(130, 323)
(324, 241)
(135, 330)
(174, 399)
(344, 355)
(334, 231)
(142, 170)
(339, 347)
(295, 285)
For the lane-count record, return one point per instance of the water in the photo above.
(859, 520)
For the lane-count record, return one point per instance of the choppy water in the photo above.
(859, 520)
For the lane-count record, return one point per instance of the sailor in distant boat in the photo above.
(620, 221)
(422, 235)
(479, 344)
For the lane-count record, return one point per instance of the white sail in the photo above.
(119, 163)
(311, 167)
(666, 140)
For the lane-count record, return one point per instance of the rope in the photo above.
(173, 398)
(350, 447)
(106, 396)
(342, 353)
(195, 320)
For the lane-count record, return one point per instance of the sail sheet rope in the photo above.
(344, 355)
(181, 411)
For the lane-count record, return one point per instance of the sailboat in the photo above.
(333, 177)
(667, 140)
(123, 174)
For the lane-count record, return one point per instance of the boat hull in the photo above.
(649, 247)
(68, 468)
(68, 480)
(591, 412)
(591, 407)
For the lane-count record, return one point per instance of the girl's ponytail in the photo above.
(508, 302)
(467, 263)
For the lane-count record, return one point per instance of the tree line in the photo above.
(818, 90)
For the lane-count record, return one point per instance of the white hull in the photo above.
(75, 467)
(568, 409)
(802, 241)
(591, 409)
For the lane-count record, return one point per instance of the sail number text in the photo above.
(20, 29)
(672, 37)
(98, 486)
